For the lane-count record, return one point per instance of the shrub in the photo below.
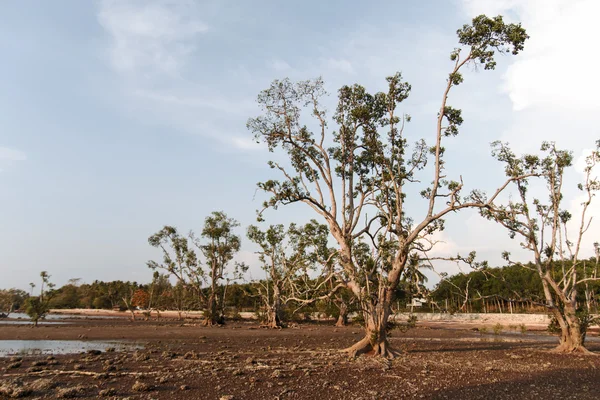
(498, 328)
(523, 329)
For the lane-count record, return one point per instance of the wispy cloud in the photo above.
(150, 36)
(151, 48)
(339, 65)
(279, 65)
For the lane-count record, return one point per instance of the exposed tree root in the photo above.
(271, 326)
(209, 322)
(380, 349)
(566, 348)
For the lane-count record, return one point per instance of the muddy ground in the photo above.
(241, 361)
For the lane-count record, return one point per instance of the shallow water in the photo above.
(22, 318)
(27, 322)
(45, 347)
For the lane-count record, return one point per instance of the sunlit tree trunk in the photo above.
(343, 316)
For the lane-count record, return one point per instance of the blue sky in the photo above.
(119, 117)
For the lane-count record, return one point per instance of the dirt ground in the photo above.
(242, 361)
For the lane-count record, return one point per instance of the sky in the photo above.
(119, 117)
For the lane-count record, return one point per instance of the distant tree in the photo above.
(128, 292)
(286, 256)
(542, 227)
(10, 300)
(38, 307)
(357, 178)
(141, 299)
(218, 244)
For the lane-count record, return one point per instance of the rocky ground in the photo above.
(242, 361)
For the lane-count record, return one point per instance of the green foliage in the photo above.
(412, 321)
(498, 328)
(487, 35)
(367, 154)
(36, 308)
(523, 329)
(11, 300)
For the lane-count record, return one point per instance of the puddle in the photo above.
(24, 316)
(50, 319)
(27, 322)
(46, 347)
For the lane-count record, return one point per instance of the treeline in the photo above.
(511, 289)
(514, 288)
(161, 294)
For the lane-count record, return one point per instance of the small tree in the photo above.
(356, 169)
(286, 257)
(542, 227)
(38, 307)
(10, 299)
(218, 245)
(127, 295)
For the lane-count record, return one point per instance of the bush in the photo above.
(412, 321)
(523, 329)
(36, 309)
(498, 328)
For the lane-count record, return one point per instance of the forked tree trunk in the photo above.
(343, 317)
(274, 311)
(572, 339)
(273, 319)
(376, 317)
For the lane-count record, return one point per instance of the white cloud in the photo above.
(340, 65)
(553, 84)
(557, 70)
(9, 156)
(279, 65)
(150, 36)
(150, 45)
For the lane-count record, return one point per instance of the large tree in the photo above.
(542, 227)
(357, 176)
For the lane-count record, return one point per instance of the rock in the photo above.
(107, 392)
(141, 387)
(72, 392)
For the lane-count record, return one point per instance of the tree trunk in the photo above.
(376, 315)
(274, 311)
(343, 317)
(213, 316)
(211, 310)
(571, 338)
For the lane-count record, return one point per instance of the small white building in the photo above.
(416, 302)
